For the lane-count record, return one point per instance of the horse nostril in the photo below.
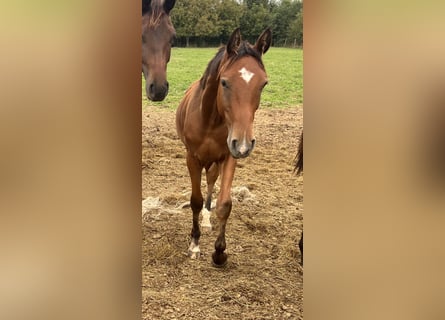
(152, 88)
(234, 142)
(253, 143)
(166, 84)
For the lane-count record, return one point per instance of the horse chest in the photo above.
(211, 150)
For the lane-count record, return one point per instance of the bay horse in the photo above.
(157, 37)
(299, 168)
(214, 120)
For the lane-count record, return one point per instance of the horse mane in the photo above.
(153, 11)
(213, 66)
(244, 49)
(146, 6)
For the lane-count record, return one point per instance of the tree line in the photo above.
(210, 22)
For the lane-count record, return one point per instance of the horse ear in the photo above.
(168, 5)
(146, 6)
(234, 42)
(263, 42)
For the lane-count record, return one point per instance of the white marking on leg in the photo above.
(194, 251)
(246, 74)
(205, 222)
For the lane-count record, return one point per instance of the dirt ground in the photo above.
(263, 278)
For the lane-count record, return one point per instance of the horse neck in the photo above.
(209, 107)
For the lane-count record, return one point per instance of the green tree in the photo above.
(251, 3)
(283, 16)
(255, 20)
(229, 16)
(295, 31)
(195, 18)
(207, 24)
(212, 21)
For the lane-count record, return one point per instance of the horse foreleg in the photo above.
(196, 202)
(211, 176)
(300, 244)
(223, 209)
(299, 158)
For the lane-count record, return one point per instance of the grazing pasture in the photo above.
(263, 278)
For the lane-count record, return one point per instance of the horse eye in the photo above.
(224, 83)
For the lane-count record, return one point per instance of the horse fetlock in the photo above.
(220, 244)
(219, 257)
(195, 234)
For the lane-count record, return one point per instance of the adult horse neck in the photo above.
(157, 37)
(215, 122)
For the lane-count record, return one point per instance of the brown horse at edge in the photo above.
(158, 34)
(299, 169)
(215, 122)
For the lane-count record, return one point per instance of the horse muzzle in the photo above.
(156, 92)
(240, 149)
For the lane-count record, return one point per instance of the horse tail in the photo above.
(299, 157)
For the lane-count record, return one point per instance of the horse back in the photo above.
(188, 103)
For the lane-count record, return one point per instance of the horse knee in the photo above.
(224, 209)
(196, 203)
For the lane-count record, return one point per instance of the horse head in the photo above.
(157, 37)
(242, 78)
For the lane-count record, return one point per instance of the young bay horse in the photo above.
(299, 169)
(157, 38)
(215, 122)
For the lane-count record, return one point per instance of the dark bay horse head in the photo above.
(157, 37)
(242, 78)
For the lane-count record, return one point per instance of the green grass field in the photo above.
(284, 68)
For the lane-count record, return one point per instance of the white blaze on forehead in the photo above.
(246, 74)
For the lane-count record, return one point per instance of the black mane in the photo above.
(245, 49)
(146, 6)
(153, 7)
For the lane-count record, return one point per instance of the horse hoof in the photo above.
(220, 266)
(194, 254)
(219, 260)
